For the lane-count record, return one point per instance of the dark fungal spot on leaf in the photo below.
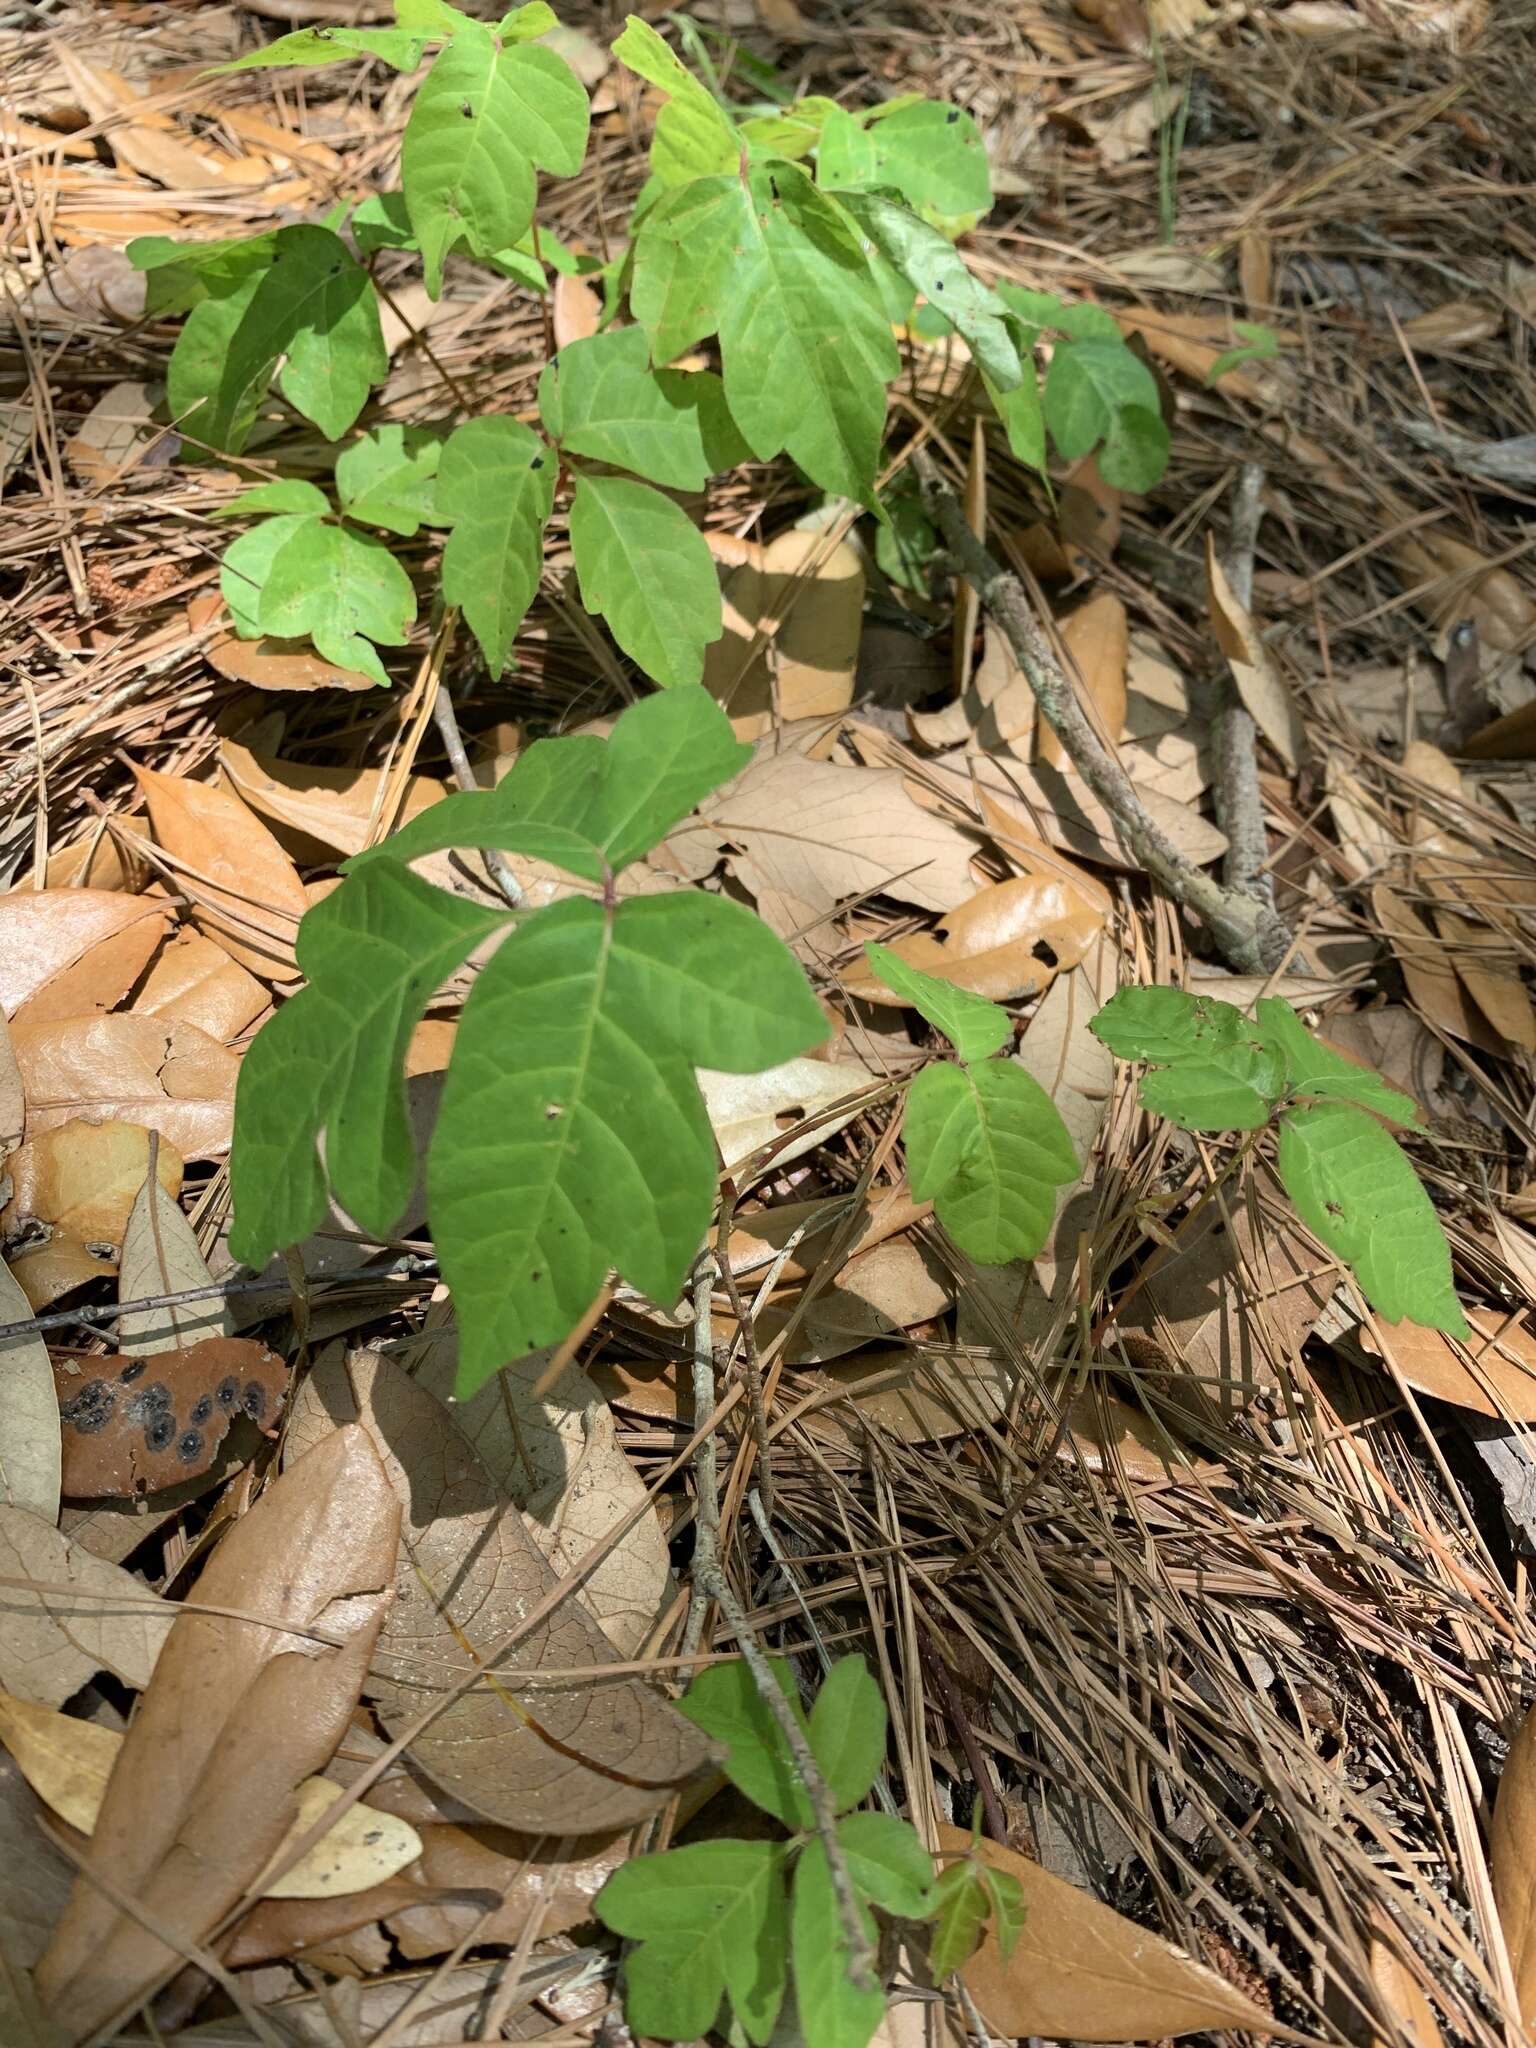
(189, 1446)
(952, 116)
(202, 1408)
(159, 1430)
(537, 462)
(227, 1393)
(466, 110)
(255, 1401)
(91, 1409)
(130, 1373)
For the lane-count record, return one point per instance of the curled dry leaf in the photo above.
(750, 1111)
(1009, 941)
(1511, 1838)
(269, 664)
(1097, 640)
(167, 1075)
(244, 890)
(527, 1756)
(68, 1763)
(195, 982)
(575, 308)
(1259, 684)
(807, 603)
(29, 1412)
(237, 1716)
(1493, 1374)
(160, 1255)
(1083, 1972)
(138, 1424)
(329, 809)
(65, 1615)
(1447, 581)
(73, 1188)
(46, 934)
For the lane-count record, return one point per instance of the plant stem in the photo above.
(453, 746)
(711, 1583)
(1252, 939)
(1239, 800)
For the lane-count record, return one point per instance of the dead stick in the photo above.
(1252, 939)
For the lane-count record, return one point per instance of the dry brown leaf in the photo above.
(77, 1184)
(34, 1875)
(68, 1763)
(169, 1076)
(29, 1412)
(1366, 841)
(876, 1296)
(160, 1255)
(13, 1095)
(195, 982)
(142, 1424)
(330, 809)
(148, 143)
(557, 1457)
(1083, 1972)
(1077, 1071)
(232, 1723)
(1191, 342)
(1434, 988)
(1259, 684)
(244, 890)
(1456, 324)
(1256, 272)
(1511, 1836)
(576, 309)
(65, 1615)
(1058, 803)
(808, 602)
(116, 433)
(967, 603)
(1394, 1043)
(1494, 1374)
(1448, 580)
(1127, 132)
(468, 1574)
(45, 934)
(1009, 941)
(266, 663)
(749, 1111)
(1399, 1988)
(916, 1396)
(1097, 639)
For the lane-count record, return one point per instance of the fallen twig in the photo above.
(1239, 800)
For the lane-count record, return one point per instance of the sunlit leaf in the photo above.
(388, 478)
(646, 568)
(932, 154)
(987, 1146)
(931, 265)
(975, 1027)
(344, 589)
(694, 136)
(495, 488)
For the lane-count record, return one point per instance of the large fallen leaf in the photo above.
(65, 1615)
(332, 807)
(1057, 803)
(68, 1763)
(125, 1068)
(806, 601)
(194, 981)
(45, 933)
(1098, 643)
(1008, 941)
(1493, 1374)
(556, 1455)
(1083, 1972)
(1259, 684)
(34, 1875)
(160, 1255)
(1434, 988)
(116, 433)
(533, 1756)
(1398, 1987)
(244, 890)
(876, 1296)
(76, 1185)
(237, 1716)
(749, 1111)
(142, 1424)
(29, 1412)
(1512, 1846)
(13, 1094)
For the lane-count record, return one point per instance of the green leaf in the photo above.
(600, 397)
(932, 154)
(724, 1701)
(962, 1905)
(344, 589)
(330, 46)
(1022, 415)
(779, 268)
(434, 17)
(1005, 1895)
(647, 569)
(248, 563)
(988, 1147)
(973, 1026)
(389, 478)
(526, 23)
(887, 1862)
(848, 1731)
(283, 494)
(329, 1064)
(1215, 1069)
(709, 1919)
(1355, 1188)
(1312, 1068)
(591, 1148)
(693, 135)
(1260, 343)
(1078, 319)
(586, 803)
(832, 2010)
(907, 543)
(1098, 391)
(180, 275)
(484, 116)
(932, 266)
(495, 488)
(381, 221)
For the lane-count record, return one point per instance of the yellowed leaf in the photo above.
(749, 1111)
(245, 891)
(78, 1183)
(1008, 941)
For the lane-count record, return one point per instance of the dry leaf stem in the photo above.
(711, 1583)
(1252, 939)
(1239, 800)
(496, 864)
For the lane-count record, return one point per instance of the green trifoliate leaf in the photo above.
(179, 275)
(389, 478)
(694, 136)
(329, 1064)
(973, 1026)
(495, 487)
(931, 265)
(779, 269)
(710, 1920)
(381, 221)
(644, 565)
(832, 2010)
(586, 803)
(887, 1862)
(724, 1701)
(961, 1905)
(591, 1148)
(485, 115)
(1078, 319)
(284, 494)
(434, 17)
(1009, 1912)
(1098, 391)
(848, 1731)
(311, 46)
(525, 23)
(932, 154)
(247, 564)
(344, 589)
(792, 132)
(1312, 1068)
(987, 1146)
(1355, 1187)
(600, 397)
(1213, 1068)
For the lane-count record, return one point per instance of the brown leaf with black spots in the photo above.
(137, 1425)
